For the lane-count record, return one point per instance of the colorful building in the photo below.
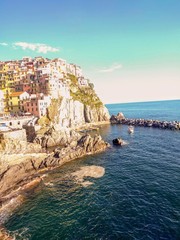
(37, 104)
(1, 102)
(16, 102)
(24, 82)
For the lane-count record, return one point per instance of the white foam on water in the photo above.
(87, 171)
(20, 234)
(8, 208)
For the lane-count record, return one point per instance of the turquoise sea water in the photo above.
(160, 110)
(137, 198)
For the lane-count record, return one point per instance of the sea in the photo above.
(137, 198)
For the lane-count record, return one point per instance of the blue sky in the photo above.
(125, 47)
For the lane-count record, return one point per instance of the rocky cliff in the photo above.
(22, 161)
(79, 107)
(17, 169)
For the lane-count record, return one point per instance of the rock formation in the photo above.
(16, 146)
(82, 106)
(119, 142)
(17, 168)
(55, 136)
(4, 235)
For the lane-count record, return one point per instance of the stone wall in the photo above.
(19, 134)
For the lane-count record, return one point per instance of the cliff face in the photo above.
(80, 106)
(75, 113)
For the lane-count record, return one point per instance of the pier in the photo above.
(120, 119)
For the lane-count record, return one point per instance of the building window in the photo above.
(10, 124)
(18, 122)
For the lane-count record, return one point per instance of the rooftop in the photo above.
(16, 94)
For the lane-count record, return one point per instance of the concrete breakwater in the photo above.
(120, 119)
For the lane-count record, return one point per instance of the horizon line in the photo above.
(164, 100)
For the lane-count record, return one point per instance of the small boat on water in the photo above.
(130, 129)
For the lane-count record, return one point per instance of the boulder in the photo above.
(120, 116)
(118, 141)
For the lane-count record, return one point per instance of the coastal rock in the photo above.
(9, 146)
(118, 142)
(4, 235)
(115, 119)
(74, 113)
(85, 145)
(56, 136)
(17, 168)
(96, 114)
(120, 116)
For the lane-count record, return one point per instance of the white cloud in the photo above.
(112, 68)
(37, 47)
(3, 44)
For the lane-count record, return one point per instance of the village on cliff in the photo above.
(28, 86)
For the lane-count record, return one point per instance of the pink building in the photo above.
(37, 104)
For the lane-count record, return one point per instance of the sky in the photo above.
(129, 49)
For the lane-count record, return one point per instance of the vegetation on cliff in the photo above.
(51, 115)
(66, 112)
(52, 110)
(84, 94)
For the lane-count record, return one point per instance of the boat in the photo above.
(130, 129)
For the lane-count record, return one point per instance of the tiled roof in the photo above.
(16, 94)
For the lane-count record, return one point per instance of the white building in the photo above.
(71, 69)
(57, 88)
(64, 90)
(78, 72)
(43, 104)
(60, 65)
(82, 81)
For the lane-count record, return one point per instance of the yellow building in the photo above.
(6, 84)
(15, 101)
(1, 102)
